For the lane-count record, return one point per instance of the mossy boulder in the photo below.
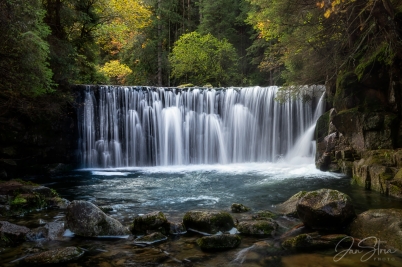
(326, 209)
(19, 197)
(218, 242)
(151, 222)
(150, 239)
(239, 208)
(382, 224)
(85, 219)
(264, 215)
(288, 207)
(55, 256)
(208, 222)
(12, 234)
(260, 227)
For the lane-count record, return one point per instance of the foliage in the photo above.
(24, 52)
(312, 41)
(202, 59)
(116, 71)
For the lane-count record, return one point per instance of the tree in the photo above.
(24, 52)
(202, 59)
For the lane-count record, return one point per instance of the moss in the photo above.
(18, 200)
(298, 242)
(263, 215)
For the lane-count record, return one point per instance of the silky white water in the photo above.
(146, 126)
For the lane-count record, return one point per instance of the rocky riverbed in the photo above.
(315, 228)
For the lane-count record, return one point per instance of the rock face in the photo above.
(325, 209)
(209, 222)
(382, 224)
(260, 227)
(361, 135)
(11, 233)
(54, 256)
(151, 222)
(218, 242)
(85, 219)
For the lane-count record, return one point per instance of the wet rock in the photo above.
(238, 208)
(150, 239)
(151, 222)
(261, 227)
(288, 207)
(12, 234)
(176, 228)
(325, 209)
(85, 219)
(314, 241)
(218, 242)
(380, 224)
(55, 256)
(209, 222)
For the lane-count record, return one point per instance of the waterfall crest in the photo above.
(146, 126)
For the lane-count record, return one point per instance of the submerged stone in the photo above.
(316, 242)
(150, 239)
(54, 256)
(218, 242)
(208, 222)
(325, 209)
(86, 219)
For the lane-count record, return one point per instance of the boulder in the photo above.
(261, 253)
(238, 208)
(383, 225)
(85, 219)
(11, 233)
(325, 209)
(288, 207)
(54, 256)
(51, 231)
(208, 222)
(151, 222)
(218, 242)
(260, 227)
(263, 215)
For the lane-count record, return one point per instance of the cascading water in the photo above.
(146, 126)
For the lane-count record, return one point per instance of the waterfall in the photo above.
(146, 126)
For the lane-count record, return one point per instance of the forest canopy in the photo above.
(48, 45)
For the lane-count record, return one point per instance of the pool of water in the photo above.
(177, 189)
